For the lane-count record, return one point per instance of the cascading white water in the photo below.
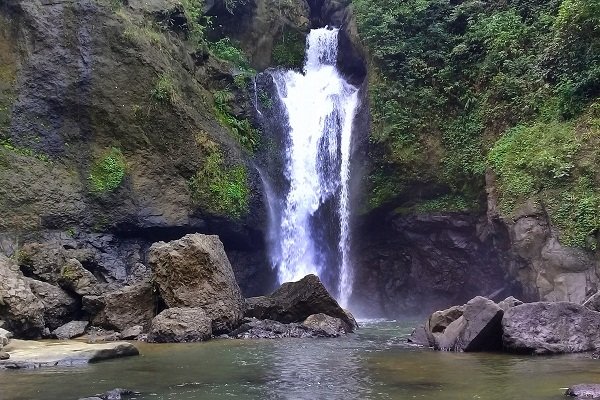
(320, 108)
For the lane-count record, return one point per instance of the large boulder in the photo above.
(544, 328)
(439, 320)
(478, 329)
(59, 306)
(176, 325)
(296, 301)
(70, 330)
(21, 310)
(195, 272)
(123, 308)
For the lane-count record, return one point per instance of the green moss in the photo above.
(107, 172)
(219, 188)
(7, 144)
(289, 49)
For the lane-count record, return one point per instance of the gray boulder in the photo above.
(195, 272)
(132, 333)
(123, 308)
(478, 329)
(176, 325)
(45, 261)
(296, 301)
(439, 320)
(59, 306)
(21, 311)
(421, 336)
(545, 328)
(70, 330)
(584, 391)
(5, 337)
(325, 326)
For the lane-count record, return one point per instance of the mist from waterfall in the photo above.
(312, 234)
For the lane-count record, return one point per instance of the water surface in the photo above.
(375, 363)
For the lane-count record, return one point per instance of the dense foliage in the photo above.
(451, 80)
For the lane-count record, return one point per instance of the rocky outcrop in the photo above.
(584, 391)
(123, 308)
(296, 301)
(195, 272)
(59, 306)
(176, 325)
(415, 264)
(21, 310)
(315, 326)
(549, 271)
(70, 330)
(33, 354)
(544, 328)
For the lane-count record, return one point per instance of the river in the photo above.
(374, 363)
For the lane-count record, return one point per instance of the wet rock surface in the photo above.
(114, 394)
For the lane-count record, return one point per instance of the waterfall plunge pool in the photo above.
(375, 363)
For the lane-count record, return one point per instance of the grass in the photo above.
(164, 89)
(241, 128)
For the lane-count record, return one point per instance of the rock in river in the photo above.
(584, 391)
(296, 301)
(544, 328)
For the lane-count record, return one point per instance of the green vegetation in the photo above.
(198, 24)
(241, 128)
(451, 80)
(219, 188)
(108, 172)
(23, 151)
(289, 50)
(446, 203)
(164, 89)
(226, 50)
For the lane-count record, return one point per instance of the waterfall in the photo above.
(313, 225)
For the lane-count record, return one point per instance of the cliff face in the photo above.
(110, 138)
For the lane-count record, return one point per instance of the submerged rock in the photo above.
(584, 391)
(296, 301)
(180, 325)
(115, 394)
(543, 328)
(195, 272)
(70, 330)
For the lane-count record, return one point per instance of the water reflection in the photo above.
(372, 365)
